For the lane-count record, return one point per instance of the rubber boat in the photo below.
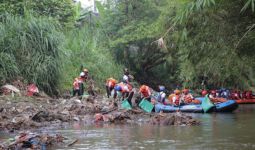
(227, 106)
(245, 101)
(185, 108)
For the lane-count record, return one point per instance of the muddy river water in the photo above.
(217, 131)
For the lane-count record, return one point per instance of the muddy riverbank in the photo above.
(20, 113)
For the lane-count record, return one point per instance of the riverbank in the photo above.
(21, 113)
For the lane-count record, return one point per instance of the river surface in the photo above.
(217, 131)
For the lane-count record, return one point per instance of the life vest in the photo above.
(125, 87)
(81, 80)
(188, 98)
(145, 91)
(111, 82)
(170, 98)
(248, 95)
(76, 84)
(176, 100)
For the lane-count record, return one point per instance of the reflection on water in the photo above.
(217, 131)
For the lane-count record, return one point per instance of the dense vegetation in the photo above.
(185, 42)
(175, 43)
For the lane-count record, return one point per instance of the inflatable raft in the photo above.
(245, 101)
(227, 106)
(185, 108)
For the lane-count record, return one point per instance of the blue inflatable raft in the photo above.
(185, 108)
(227, 106)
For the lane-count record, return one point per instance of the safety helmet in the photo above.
(161, 88)
(117, 88)
(177, 92)
(204, 92)
(185, 91)
(125, 78)
(82, 74)
(85, 70)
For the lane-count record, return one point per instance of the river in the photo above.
(217, 131)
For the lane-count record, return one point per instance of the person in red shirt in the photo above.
(110, 84)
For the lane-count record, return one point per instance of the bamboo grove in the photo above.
(178, 43)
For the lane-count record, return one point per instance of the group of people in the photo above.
(124, 90)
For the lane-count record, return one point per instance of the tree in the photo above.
(62, 10)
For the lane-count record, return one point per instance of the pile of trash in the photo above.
(18, 113)
(29, 140)
(21, 108)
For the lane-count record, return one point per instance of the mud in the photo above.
(19, 113)
(29, 140)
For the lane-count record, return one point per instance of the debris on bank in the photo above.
(19, 113)
(29, 140)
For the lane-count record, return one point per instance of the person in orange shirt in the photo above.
(174, 99)
(110, 84)
(125, 90)
(188, 98)
(145, 92)
(76, 87)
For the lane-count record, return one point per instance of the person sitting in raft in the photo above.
(235, 94)
(204, 93)
(110, 84)
(188, 98)
(214, 99)
(174, 99)
(162, 95)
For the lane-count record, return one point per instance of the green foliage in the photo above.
(249, 3)
(83, 47)
(30, 48)
(201, 41)
(62, 10)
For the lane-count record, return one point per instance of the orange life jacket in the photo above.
(76, 84)
(125, 87)
(111, 82)
(145, 91)
(188, 98)
(174, 99)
